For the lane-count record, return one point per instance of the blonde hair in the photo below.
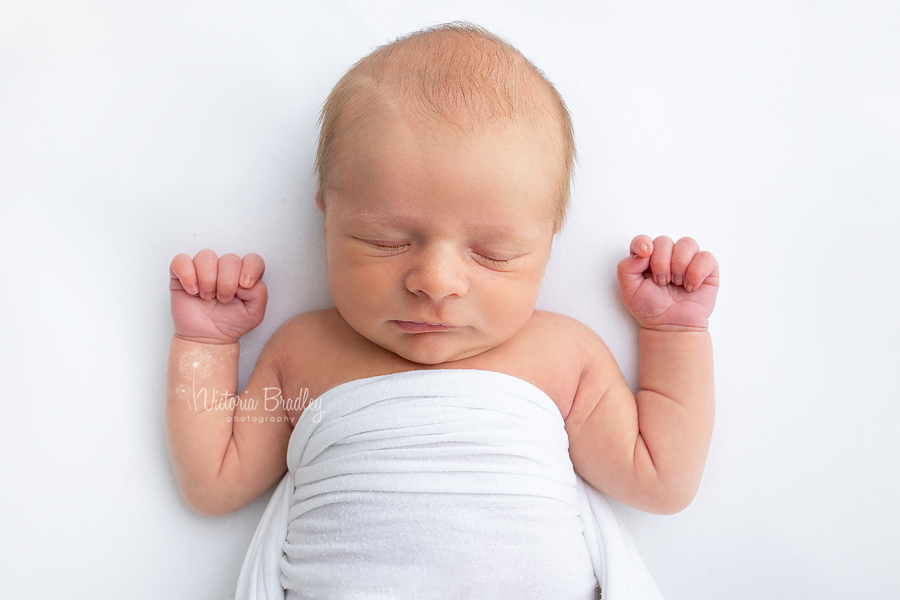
(457, 74)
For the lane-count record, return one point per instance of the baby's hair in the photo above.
(456, 74)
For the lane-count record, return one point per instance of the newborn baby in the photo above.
(438, 414)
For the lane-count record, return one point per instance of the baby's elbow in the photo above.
(209, 503)
(670, 506)
(660, 497)
(671, 500)
(207, 508)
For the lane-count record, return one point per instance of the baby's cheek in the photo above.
(364, 288)
(510, 305)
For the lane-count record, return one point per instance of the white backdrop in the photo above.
(130, 132)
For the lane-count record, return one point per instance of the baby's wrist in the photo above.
(205, 341)
(675, 328)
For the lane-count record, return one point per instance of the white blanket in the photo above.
(437, 484)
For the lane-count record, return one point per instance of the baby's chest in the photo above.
(537, 357)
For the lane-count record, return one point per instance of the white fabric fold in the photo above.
(438, 484)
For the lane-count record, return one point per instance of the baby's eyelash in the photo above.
(387, 247)
(495, 261)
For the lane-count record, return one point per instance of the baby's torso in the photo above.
(319, 351)
(434, 484)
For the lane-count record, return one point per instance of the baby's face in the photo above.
(436, 244)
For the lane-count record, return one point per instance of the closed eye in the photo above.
(500, 264)
(386, 246)
(495, 261)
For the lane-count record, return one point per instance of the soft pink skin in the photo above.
(412, 230)
(216, 300)
(436, 247)
(669, 286)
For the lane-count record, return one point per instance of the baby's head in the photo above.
(457, 78)
(444, 165)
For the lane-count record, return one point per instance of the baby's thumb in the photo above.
(632, 269)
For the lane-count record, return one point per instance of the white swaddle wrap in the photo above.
(437, 484)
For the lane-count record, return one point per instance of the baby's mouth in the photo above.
(422, 327)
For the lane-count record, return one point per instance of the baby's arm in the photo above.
(227, 449)
(648, 450)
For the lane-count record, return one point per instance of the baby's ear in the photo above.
(320, 202)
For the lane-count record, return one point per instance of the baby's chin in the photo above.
(434, 350)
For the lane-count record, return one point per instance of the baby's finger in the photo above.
(641, 246)
(182, 274)
(703, 267)
(252, 269)
(229, 270)
(682, 254)
(207, 265)
(631, 270)
(661, 260)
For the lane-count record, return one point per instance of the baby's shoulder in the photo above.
(564, 340)
(552, 352)
(545, 318)
(580, 346)
(561, 332)
(307, 348)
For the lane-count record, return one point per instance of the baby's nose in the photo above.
(438, 272)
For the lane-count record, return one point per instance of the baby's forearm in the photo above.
(676, 405)
(200, 406)
(227, 448)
